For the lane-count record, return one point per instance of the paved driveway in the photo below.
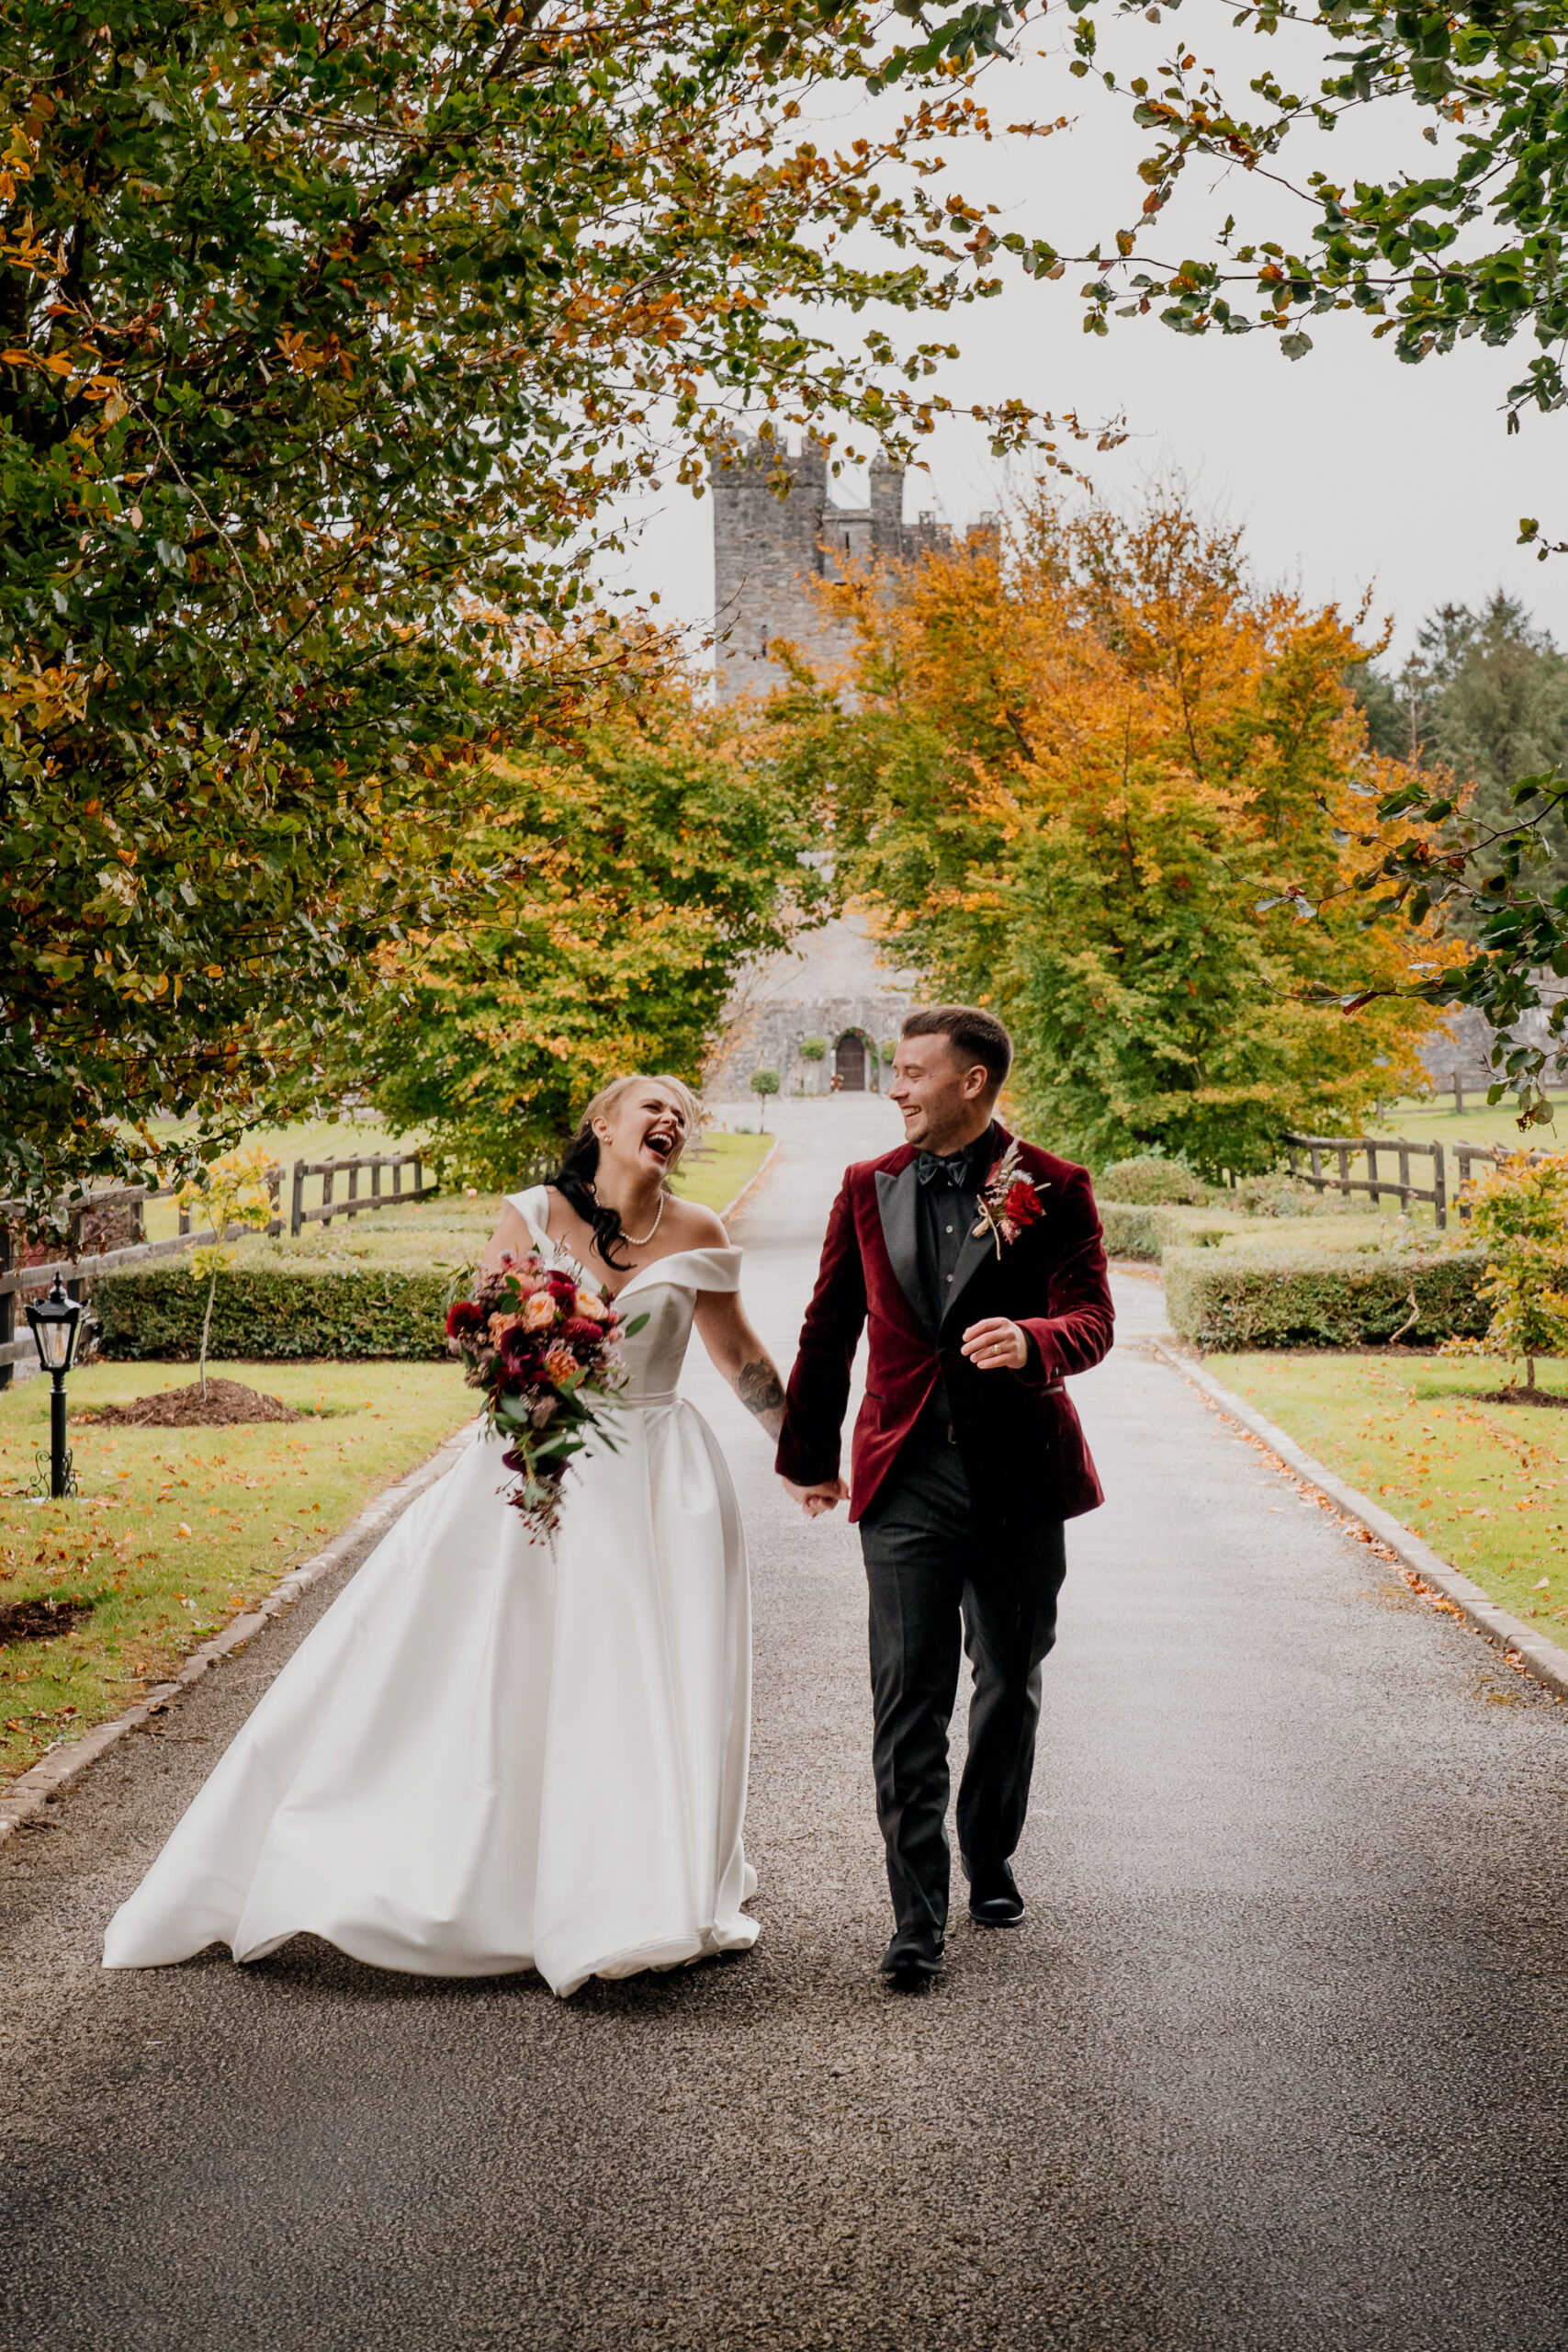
(1277, 2062)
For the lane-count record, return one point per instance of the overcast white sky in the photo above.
(1346, 468)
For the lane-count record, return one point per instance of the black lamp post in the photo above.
(55, 1322)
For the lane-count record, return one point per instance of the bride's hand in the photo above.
(826, 1495)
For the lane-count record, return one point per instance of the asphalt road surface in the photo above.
(1277, 2062)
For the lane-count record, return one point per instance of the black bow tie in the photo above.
(929, 1169)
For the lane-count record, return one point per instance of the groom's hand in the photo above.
(826, 1495)
(996, 1345)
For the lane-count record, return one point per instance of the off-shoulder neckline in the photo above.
(540, 1230)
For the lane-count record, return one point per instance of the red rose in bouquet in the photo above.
(547, 1356)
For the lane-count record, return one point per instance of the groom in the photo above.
(978, 1264)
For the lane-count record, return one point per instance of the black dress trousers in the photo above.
(940, 1569)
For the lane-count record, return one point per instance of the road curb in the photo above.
(1543, 1660)
(37, 1788)
(751, 1185)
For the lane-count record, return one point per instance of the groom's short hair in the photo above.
(974, 1035)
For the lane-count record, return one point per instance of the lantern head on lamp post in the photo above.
(55, 1322)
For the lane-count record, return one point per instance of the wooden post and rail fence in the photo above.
(1345, 1149)
(77, 1268)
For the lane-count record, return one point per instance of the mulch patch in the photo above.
(225, 1402)
(1515, 1396)
(40, 1620)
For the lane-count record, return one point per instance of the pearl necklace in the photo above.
(641, 1240)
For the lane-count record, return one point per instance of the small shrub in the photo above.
(1348, 1299)
(1281, 1195)
(813, 1049)
(1519, 1212)
(235, 1192)
(1150, 1181)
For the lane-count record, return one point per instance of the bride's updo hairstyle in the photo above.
(574, 1179)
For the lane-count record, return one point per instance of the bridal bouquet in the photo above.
(545, 1353)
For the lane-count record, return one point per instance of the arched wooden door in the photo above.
(849, 1063)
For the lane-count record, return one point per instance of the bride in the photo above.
(491, 1754)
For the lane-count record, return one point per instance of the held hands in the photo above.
(826, 1495)
(996, 1345)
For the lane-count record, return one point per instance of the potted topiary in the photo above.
(763, 1083)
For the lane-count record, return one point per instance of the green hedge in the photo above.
(1137, 1232)
(1342, 1300)
(262, 1313)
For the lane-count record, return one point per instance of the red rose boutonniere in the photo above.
(1010, 1201)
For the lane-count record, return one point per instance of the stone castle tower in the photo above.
(822, 1014)
(769, 551)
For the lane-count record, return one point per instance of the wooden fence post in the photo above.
(297, 1203)
(1439, 1189)
(327, 1166)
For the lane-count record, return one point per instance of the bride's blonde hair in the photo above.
(574, 1179)
(609, 1098)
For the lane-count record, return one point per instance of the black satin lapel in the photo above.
(971, 1258)
(898, 1199)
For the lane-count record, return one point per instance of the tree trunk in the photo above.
(206, 1327)
(1529, 1372)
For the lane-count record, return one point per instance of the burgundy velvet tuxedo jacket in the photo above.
(1018, 1435)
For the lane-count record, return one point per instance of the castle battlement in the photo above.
(770, 553)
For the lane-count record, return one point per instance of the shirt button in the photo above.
(949, 1229)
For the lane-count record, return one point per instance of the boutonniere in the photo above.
(1010, 1202)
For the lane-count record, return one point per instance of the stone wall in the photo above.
(1465, 1040)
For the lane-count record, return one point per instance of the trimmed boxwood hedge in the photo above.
(263, 1313)
(1340, 1300)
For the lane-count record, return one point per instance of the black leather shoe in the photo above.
(912, 1959)
(994, 1898)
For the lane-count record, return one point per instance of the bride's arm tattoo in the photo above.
(760, 1389)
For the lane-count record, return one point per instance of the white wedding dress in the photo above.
(493, 1755)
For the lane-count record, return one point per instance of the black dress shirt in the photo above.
(949, 1189)
(950, 1186)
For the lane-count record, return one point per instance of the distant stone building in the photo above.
(770, 557)
(831, 992)
(771, 554)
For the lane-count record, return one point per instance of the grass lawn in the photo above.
(1485, 1485)
(1437, 1122)
(175, 1531)
(715, 1170)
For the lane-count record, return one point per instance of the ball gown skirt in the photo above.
(493, 1755)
